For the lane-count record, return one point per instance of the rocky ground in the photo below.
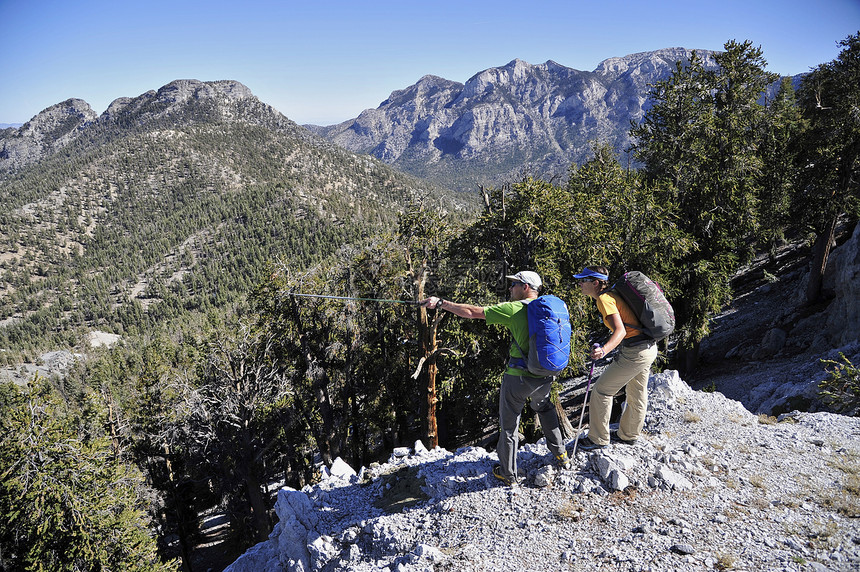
(711, 487)
(768, 349)
(55, 364)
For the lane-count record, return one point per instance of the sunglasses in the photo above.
(514, 284)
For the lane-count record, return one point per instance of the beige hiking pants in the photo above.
(630, 368)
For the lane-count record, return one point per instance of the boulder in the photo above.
(843, 277)
(772, 342)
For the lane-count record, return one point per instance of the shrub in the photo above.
(841, 390)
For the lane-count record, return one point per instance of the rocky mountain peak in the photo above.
(57, 126)
(49, 130)
(434, 81)
(182, 90)
(657, 63)
(63, 116)
(117, 105)
(515, 72)
(539, 116)
(427, 86)
(518, 68)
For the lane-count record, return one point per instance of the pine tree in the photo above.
(830, 155)
(67, 501)
(701, 139)
(779, 175)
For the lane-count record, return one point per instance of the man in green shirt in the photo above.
(518, 384)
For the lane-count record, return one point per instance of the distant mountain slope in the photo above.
(539, 118)
(171, 202)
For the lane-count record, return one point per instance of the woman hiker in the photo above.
(630, 367)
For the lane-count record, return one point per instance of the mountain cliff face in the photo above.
(502, 121)
(49, 131)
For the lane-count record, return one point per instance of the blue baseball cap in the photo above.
(587, 273)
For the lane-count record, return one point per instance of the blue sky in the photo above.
(323, 62)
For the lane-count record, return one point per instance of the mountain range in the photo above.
(510, 120)
(503, 122)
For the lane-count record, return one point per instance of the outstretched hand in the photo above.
(432, 302)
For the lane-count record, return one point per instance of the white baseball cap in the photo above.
(528, 277)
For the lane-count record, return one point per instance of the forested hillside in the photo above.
(170, 204)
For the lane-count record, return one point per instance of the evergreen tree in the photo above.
(701, 139)
(779, 174)
(68, 502)
(159, 446)
(830, 153)
(669, 140)
(232, 420)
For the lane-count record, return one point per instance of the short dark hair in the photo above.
(600, 270)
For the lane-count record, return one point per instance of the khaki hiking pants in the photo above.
(630, 368)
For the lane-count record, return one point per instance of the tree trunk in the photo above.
(432, 426)
(258, 507)
(567, 430)
(427, 337)
(687, 354)
(327, 430)
(688, 358)
(818, 262)
(181, 530)
(185, 552)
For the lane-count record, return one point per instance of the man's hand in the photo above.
(463, 310)
(432, 302)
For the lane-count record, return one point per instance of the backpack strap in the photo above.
(633, 340)
(521, 362)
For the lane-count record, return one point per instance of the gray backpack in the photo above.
(649, 304)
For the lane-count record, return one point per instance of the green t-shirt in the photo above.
(512, 315)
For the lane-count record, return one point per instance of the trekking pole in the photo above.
(584, 402)
(411, 302)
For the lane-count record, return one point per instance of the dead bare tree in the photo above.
(230, 418)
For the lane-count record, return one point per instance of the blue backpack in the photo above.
(549, 337)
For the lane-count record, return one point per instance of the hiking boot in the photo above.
(586, 444)
(563, 461)
(614, 438)
(497, 472)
